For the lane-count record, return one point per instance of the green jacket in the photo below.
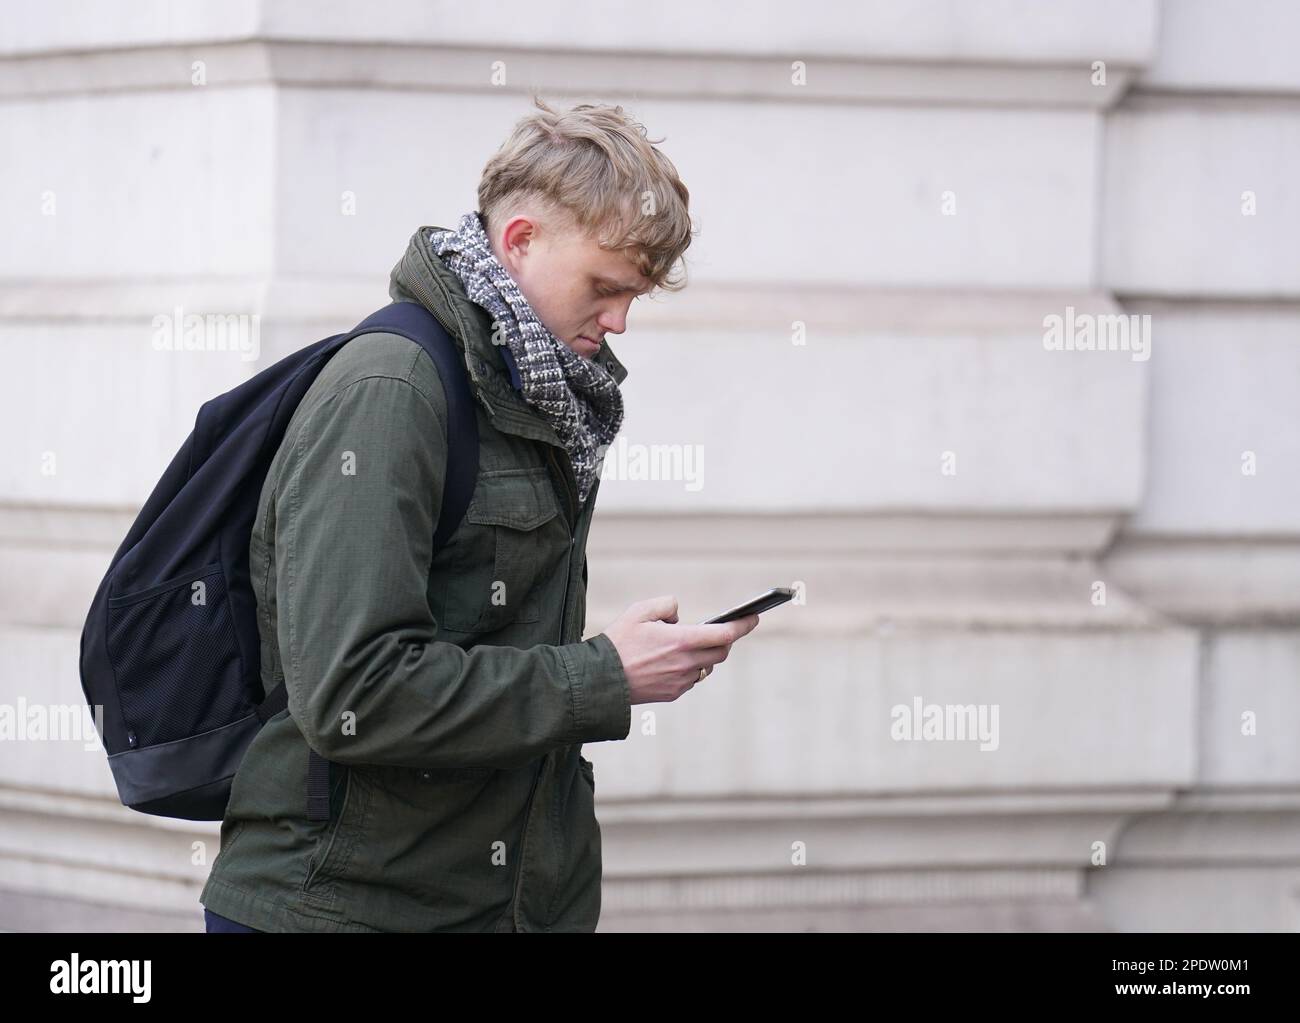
(452, 694)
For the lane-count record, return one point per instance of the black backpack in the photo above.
(170, 649)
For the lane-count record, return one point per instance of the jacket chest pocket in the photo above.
(504, 551)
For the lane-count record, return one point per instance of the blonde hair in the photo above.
(594, 169)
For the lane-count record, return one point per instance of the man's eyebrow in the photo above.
(619, 285)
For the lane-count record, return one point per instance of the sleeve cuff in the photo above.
(602, 698)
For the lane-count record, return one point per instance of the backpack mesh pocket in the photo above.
(176, 658)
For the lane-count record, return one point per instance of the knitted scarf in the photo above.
(579, 398)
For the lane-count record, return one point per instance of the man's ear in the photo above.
(517, 236)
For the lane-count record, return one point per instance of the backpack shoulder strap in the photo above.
(416, 323)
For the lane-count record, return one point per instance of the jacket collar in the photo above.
(420, 276)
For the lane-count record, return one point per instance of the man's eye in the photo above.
(605, 293)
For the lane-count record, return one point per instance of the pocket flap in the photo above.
(517, 498)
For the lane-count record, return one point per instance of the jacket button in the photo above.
(425, 775)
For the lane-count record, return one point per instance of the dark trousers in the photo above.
(220, 925)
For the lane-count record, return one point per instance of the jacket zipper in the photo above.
(568, 572)
(564, 617)
(573, 537)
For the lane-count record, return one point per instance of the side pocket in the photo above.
(330, 846)
(416, 788)
(177, 661)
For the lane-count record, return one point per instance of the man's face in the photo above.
(580, 291)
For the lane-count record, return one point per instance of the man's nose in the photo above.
(614, 321)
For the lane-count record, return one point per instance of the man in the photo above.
(452, 692)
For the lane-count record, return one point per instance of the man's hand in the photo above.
(662, 659)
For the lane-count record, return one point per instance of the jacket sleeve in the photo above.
(356, 504)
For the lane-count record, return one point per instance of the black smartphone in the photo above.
(763, 602)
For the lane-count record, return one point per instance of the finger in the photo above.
(694, 678)
(698, 636)
(656, 609)
(710, 657)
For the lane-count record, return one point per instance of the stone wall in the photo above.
(1101, 547)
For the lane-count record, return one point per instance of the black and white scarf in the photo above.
(578, 397)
